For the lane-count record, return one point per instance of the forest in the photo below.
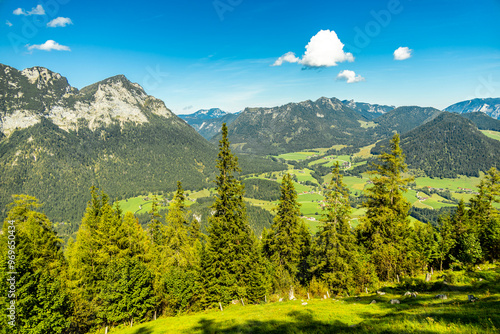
(118, 271)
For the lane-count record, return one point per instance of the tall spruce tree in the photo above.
(230, 262)
(284, 243)
(385, 229)
(335, 256)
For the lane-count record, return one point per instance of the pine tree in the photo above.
(446, 240)
(335, 256)
(229, 255)
(181, 281)
(283, 243)
(42, 300)
(155, 227)
(483, 214)
(106, 244)
(467, 248)
(385, 228)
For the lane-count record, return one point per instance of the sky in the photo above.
(232, 54)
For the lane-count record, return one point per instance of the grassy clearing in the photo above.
(364, 152)
(367, 125)
(451, 184)
(297, 156)
(423, 314)
(139, 204)
(491, 134)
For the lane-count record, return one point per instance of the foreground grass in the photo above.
(424, 314)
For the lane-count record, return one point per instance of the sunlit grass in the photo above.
(356, 314)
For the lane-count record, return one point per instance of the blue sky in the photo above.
(220, 53)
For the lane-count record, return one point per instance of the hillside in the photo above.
(295, 126)
(58, 141)
(367, 110)
(483, 121)
(448, 146)
(404, 119)
(489, 106)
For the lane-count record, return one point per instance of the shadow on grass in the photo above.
(481, 316)
(303, 322)
(143, 330)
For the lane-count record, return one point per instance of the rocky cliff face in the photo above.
(27, 96)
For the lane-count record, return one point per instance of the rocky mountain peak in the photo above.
(37, 92)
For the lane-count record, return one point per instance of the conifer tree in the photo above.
(229, 258)
(483, 214)
(335, 256)
(446, 240)
(107, 244)
(42, 301)
(155, 227)
(283, 243)
(385, 228)
(181, 280)
(467, 248)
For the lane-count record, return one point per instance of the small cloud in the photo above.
(48, 46)
(349, 76)
(187, 108)
(8, 23)
(60, 22)
(288, 57)
(323, 50)
(38, 10)
(19, 11)
(402, 53)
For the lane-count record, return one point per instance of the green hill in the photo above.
(404, 119)
(448, 146)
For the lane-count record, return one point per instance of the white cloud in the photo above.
(38, 10)
(8, 23)
(19, 11)
(349, 76)
(323, 50)
(402, 53)
(288, 57)
(48, 46)
(60, 22)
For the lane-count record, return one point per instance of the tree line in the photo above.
(117, 272)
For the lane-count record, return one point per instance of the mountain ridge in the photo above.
(489, 106)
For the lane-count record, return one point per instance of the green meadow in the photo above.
(491, 134)
(356, 314)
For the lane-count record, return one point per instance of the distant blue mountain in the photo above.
(490, 107)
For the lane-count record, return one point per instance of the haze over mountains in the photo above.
(56, 141)
(208, 122)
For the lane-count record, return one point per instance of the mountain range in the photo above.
(56, 140)
(208, 122)
(367, 110)
(489, 106)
